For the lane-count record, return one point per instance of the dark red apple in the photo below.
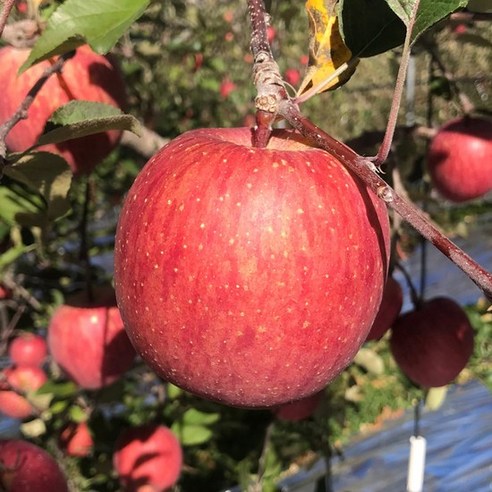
(76, 439)
(389, 310)
(433, 343)
(87, 340)
(147, 457)
(300, 409)
(460, 159)
(25, 467)
(4, 292)
(16, 380)
(28, 349)
(87, 76)
(249, 276)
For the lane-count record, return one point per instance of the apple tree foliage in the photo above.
(56, 232)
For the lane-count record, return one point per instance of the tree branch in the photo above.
(4, 14)
(280, 104)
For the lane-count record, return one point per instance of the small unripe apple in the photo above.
(28, 349)
(249, 276)
(460, 159)
(87, 76)
(76, 439)
(25, 467)
(147, 457)
(23, 379)
(300, 409)
(432, 343)
(389, 310)
(87, 340)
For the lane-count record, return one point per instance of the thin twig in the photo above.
(279, 104)
(4, 14)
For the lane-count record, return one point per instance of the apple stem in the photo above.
(4, 14)
(273, 98)
(415, 297)
(21, 112)
(266, 75)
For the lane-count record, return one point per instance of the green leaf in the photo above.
(47, 174)
(81, 118)
(100, 23)
(191, 435)
(59, 390)
(373, 27)
(370, 28)
(18, 206)
(12, 254)
(194, 416)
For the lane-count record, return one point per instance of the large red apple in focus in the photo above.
(147, 457)
(433, 343)
(249, 276)
(28, 349)
(389, 310)
(25, 467)
(460, 159)
(87, 340)
(16, 380)
(87, 76)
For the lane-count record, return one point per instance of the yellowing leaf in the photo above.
(330, 61)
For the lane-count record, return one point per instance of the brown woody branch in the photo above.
(4, 14)
(279, 104)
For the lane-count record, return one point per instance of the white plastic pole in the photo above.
(416, 464)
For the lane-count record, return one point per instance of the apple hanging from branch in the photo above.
(86, 76)
(432, 343)
(28, 349)
(249, 276)
(87, 340)
(460, 158)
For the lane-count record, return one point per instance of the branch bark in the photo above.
(281, 105)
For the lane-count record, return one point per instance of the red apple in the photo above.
(26, 467)
(87, 76)
(292, 76)
(389, 310)
(4, 292)
(87, 340)
(76, 439)
(300, 409)
(147, 457)
(433, 343)
(226, 87)
(460, 159)
(271, 34)
(28, 349)
(22, 379)
(249, 276)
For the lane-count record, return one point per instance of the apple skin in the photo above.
(459, 159)
(87, 76)
(28, 349)
(389, 310)
(88, 341)
(300, 409)
(432, 344)
(249, 276)
(23, 379)
(26, 467)
(147, 457)
(76, 439)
